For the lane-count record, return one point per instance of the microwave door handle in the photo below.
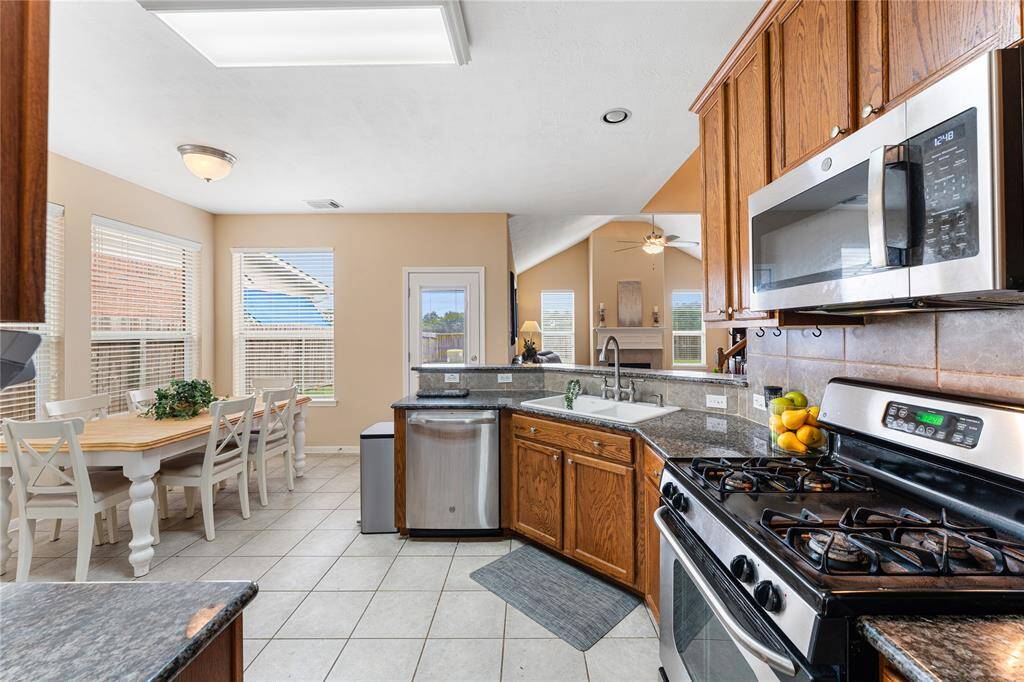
(784, 664)
(876, 208)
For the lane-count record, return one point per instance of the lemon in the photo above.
(812, 416)
(809, 436)
(797, 398)
(794, 419)
(780, 405)
(789, 441)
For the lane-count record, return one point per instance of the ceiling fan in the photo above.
(653, 243)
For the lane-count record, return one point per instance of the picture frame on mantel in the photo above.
(630, 304)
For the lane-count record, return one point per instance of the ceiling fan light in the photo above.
(652, 248)
(206, 163)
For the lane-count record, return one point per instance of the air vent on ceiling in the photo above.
(323, 204)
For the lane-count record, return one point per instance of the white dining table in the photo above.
(137, 445)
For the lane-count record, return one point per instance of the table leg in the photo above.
(300, 441)
(140, 514)
(5, 517)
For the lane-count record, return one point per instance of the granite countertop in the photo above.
(947, 648)
(685, 434)
(692, 376)
(111, 631)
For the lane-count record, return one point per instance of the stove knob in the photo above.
(742, 569)
(669, 489)
(680, 503)
(768, 596)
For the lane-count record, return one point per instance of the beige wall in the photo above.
(370, 252)
(683, 271)
(566, 270)
(609, 268)
(681, 193)
(83, 192)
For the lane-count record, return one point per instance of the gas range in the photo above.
(893, 521)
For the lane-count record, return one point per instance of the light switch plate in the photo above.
(504, 378)
(716, 424)
(759, 401)
(716, 401)
(451, 378)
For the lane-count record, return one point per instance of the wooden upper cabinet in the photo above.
(24, 87)
(599, 528)
(715, 210)
(751, 162)
(872, 77)
(537, 492)
(811, 77)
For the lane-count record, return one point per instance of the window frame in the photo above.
(702, 333)
(571, 333)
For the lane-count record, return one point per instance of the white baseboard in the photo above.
(332, 449)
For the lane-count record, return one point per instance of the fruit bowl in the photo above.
(794, 425)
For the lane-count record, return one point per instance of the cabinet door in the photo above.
(652, 545)
(748, 108)
(811, 76)
(599, 514)
(714, 222)
(872, 78)
(537, 492)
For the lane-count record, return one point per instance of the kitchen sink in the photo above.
(602, 408)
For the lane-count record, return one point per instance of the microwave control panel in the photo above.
(948, 176)
(947, 427)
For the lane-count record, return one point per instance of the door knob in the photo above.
(837, 131)
(869, 109)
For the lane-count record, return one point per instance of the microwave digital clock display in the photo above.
(948, 136)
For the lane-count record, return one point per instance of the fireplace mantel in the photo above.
(632, 338)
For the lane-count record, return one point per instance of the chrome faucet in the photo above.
(615, 388)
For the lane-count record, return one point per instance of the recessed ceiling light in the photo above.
(238, 33)
(616, 116)
(206, 163)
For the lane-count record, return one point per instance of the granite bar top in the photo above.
(685, 434)
(111, 631)
(948, 648)
(698, 377)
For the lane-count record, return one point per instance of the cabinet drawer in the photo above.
(652, 464)
(611, 446)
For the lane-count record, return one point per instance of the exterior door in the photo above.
(445, 319)
(537, 494)
(599, 508)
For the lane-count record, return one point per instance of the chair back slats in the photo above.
(38, 473)
(87, 408)
(229, 440)
(260, 384)
(278, 415)
(140, 399)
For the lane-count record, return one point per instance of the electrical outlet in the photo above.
(759, 401)
(504, 378)
(719, 402)
(451, 378)
(716, 424)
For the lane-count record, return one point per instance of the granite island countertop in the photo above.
(948, 648)
(684, 434)
(111, 631)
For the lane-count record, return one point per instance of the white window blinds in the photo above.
(687, 328)
(25, 401)
(557, 325)
(284, 319)
(145, 316)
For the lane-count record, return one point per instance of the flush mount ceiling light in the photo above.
(206, 163)
(616, 116)
(239, 33)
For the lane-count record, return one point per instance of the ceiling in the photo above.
(517, 130)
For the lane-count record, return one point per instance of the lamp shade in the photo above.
(206, 163)
(530, 327)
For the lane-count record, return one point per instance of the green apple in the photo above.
(780, 405)
(798, 399)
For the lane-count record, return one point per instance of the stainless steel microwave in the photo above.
(921, 209)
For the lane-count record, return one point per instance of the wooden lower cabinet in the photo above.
(537, 495)
(599, 528)
(652, 546)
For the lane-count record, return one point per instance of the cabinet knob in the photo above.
(554, 457)
(533, 429)
(868, 109)
(569, 460)
(597, 443)
(837, 131)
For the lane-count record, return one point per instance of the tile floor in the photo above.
(337, 605)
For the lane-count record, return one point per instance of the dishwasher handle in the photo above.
(423, 421)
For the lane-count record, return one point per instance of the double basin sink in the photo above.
(601, 408)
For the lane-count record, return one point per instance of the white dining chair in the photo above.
(260, 384)
(226, 455)
(55, 485)
(141, 399)
(274, 437)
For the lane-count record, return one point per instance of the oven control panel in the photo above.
(947, 427)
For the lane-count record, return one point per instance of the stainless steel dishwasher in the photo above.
(452, 481)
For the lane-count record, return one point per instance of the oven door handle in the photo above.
(784, 664)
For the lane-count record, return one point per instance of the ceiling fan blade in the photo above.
(670, 238)
(628, 248)
(628, 241)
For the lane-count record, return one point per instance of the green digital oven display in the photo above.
(931, 419)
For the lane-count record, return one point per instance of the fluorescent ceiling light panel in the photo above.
(247, 34)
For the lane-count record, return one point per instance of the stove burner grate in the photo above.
(777, 475)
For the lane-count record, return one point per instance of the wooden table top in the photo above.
(132, 433)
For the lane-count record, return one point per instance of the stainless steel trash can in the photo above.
(377, 478)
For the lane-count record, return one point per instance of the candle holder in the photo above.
(657, 318)
(600, 317)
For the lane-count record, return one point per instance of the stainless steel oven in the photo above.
(922, 208)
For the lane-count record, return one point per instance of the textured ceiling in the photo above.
(517, 130)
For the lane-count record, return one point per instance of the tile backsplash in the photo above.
(959, 352)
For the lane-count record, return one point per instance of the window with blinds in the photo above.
(557, 325)
(25, 401)
(145, 315)
(687, 328)
(284, 319)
